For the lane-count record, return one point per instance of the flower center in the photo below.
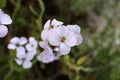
(51, 27)
(23, 59)
(62, 39)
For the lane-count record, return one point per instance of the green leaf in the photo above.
(82, 59)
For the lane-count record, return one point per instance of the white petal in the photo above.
(43, 44)
(5, 19)
(62, 31)
(64, 49)
(20, 52)
(14, 40)
(71, 39)
(27, 64)
(47, 25)
(53, 38)
(79, 39)
(44, 35)
(11, 46)
(57, 56)
(29, 56)
(75, 28)
(18, 61)
(1, 12)
(29, 47)
(46, 56)
(56, 23)
(3, 31)
(22, 41)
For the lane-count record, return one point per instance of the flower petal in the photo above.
(79, 40)
(64, 49)
(27, 64)
(62, 31)
(53, 38)
(71, 39)
(22, 41)
(46, 56)
(11, 46)
(47, 25)
(3, 31)
(20, 52)
(14, 40)
(29, 56)
(5, 19)
(75, 28)
(43, 44)
(29, 47)
(56, 23)
(18, 61)
(44, 35)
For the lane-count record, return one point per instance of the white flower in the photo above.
(63, 38)
(49, 25)
(49, 54)
(32, 45)
(46, 56)
(4, 20)
(76, 29)
(16, 42)
(23, 58)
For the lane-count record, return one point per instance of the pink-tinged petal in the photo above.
(47, 25)
(62, 31)
(22, 40)
(44, 35)
(27, 64)
(56, 23)
(79, 40)
(64, 49)
(14, 40)
(71, 39)
(53, 38)
(5, 19)
(43, 44)
(18, 61)
(75, 28)
(11, 46)
(3, 31)
(20, 52)
(46, 56)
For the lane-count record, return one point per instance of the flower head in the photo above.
(23, 58)
(4, 20)
(16, 42)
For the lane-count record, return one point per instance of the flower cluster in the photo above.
(4, 20)
(57, 40)
(26, 50)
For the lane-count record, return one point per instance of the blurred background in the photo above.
(97, 58)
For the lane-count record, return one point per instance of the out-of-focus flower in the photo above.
(49, 25)
(32, 45)
(4, 20)
(23, 58)
(16, 42)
